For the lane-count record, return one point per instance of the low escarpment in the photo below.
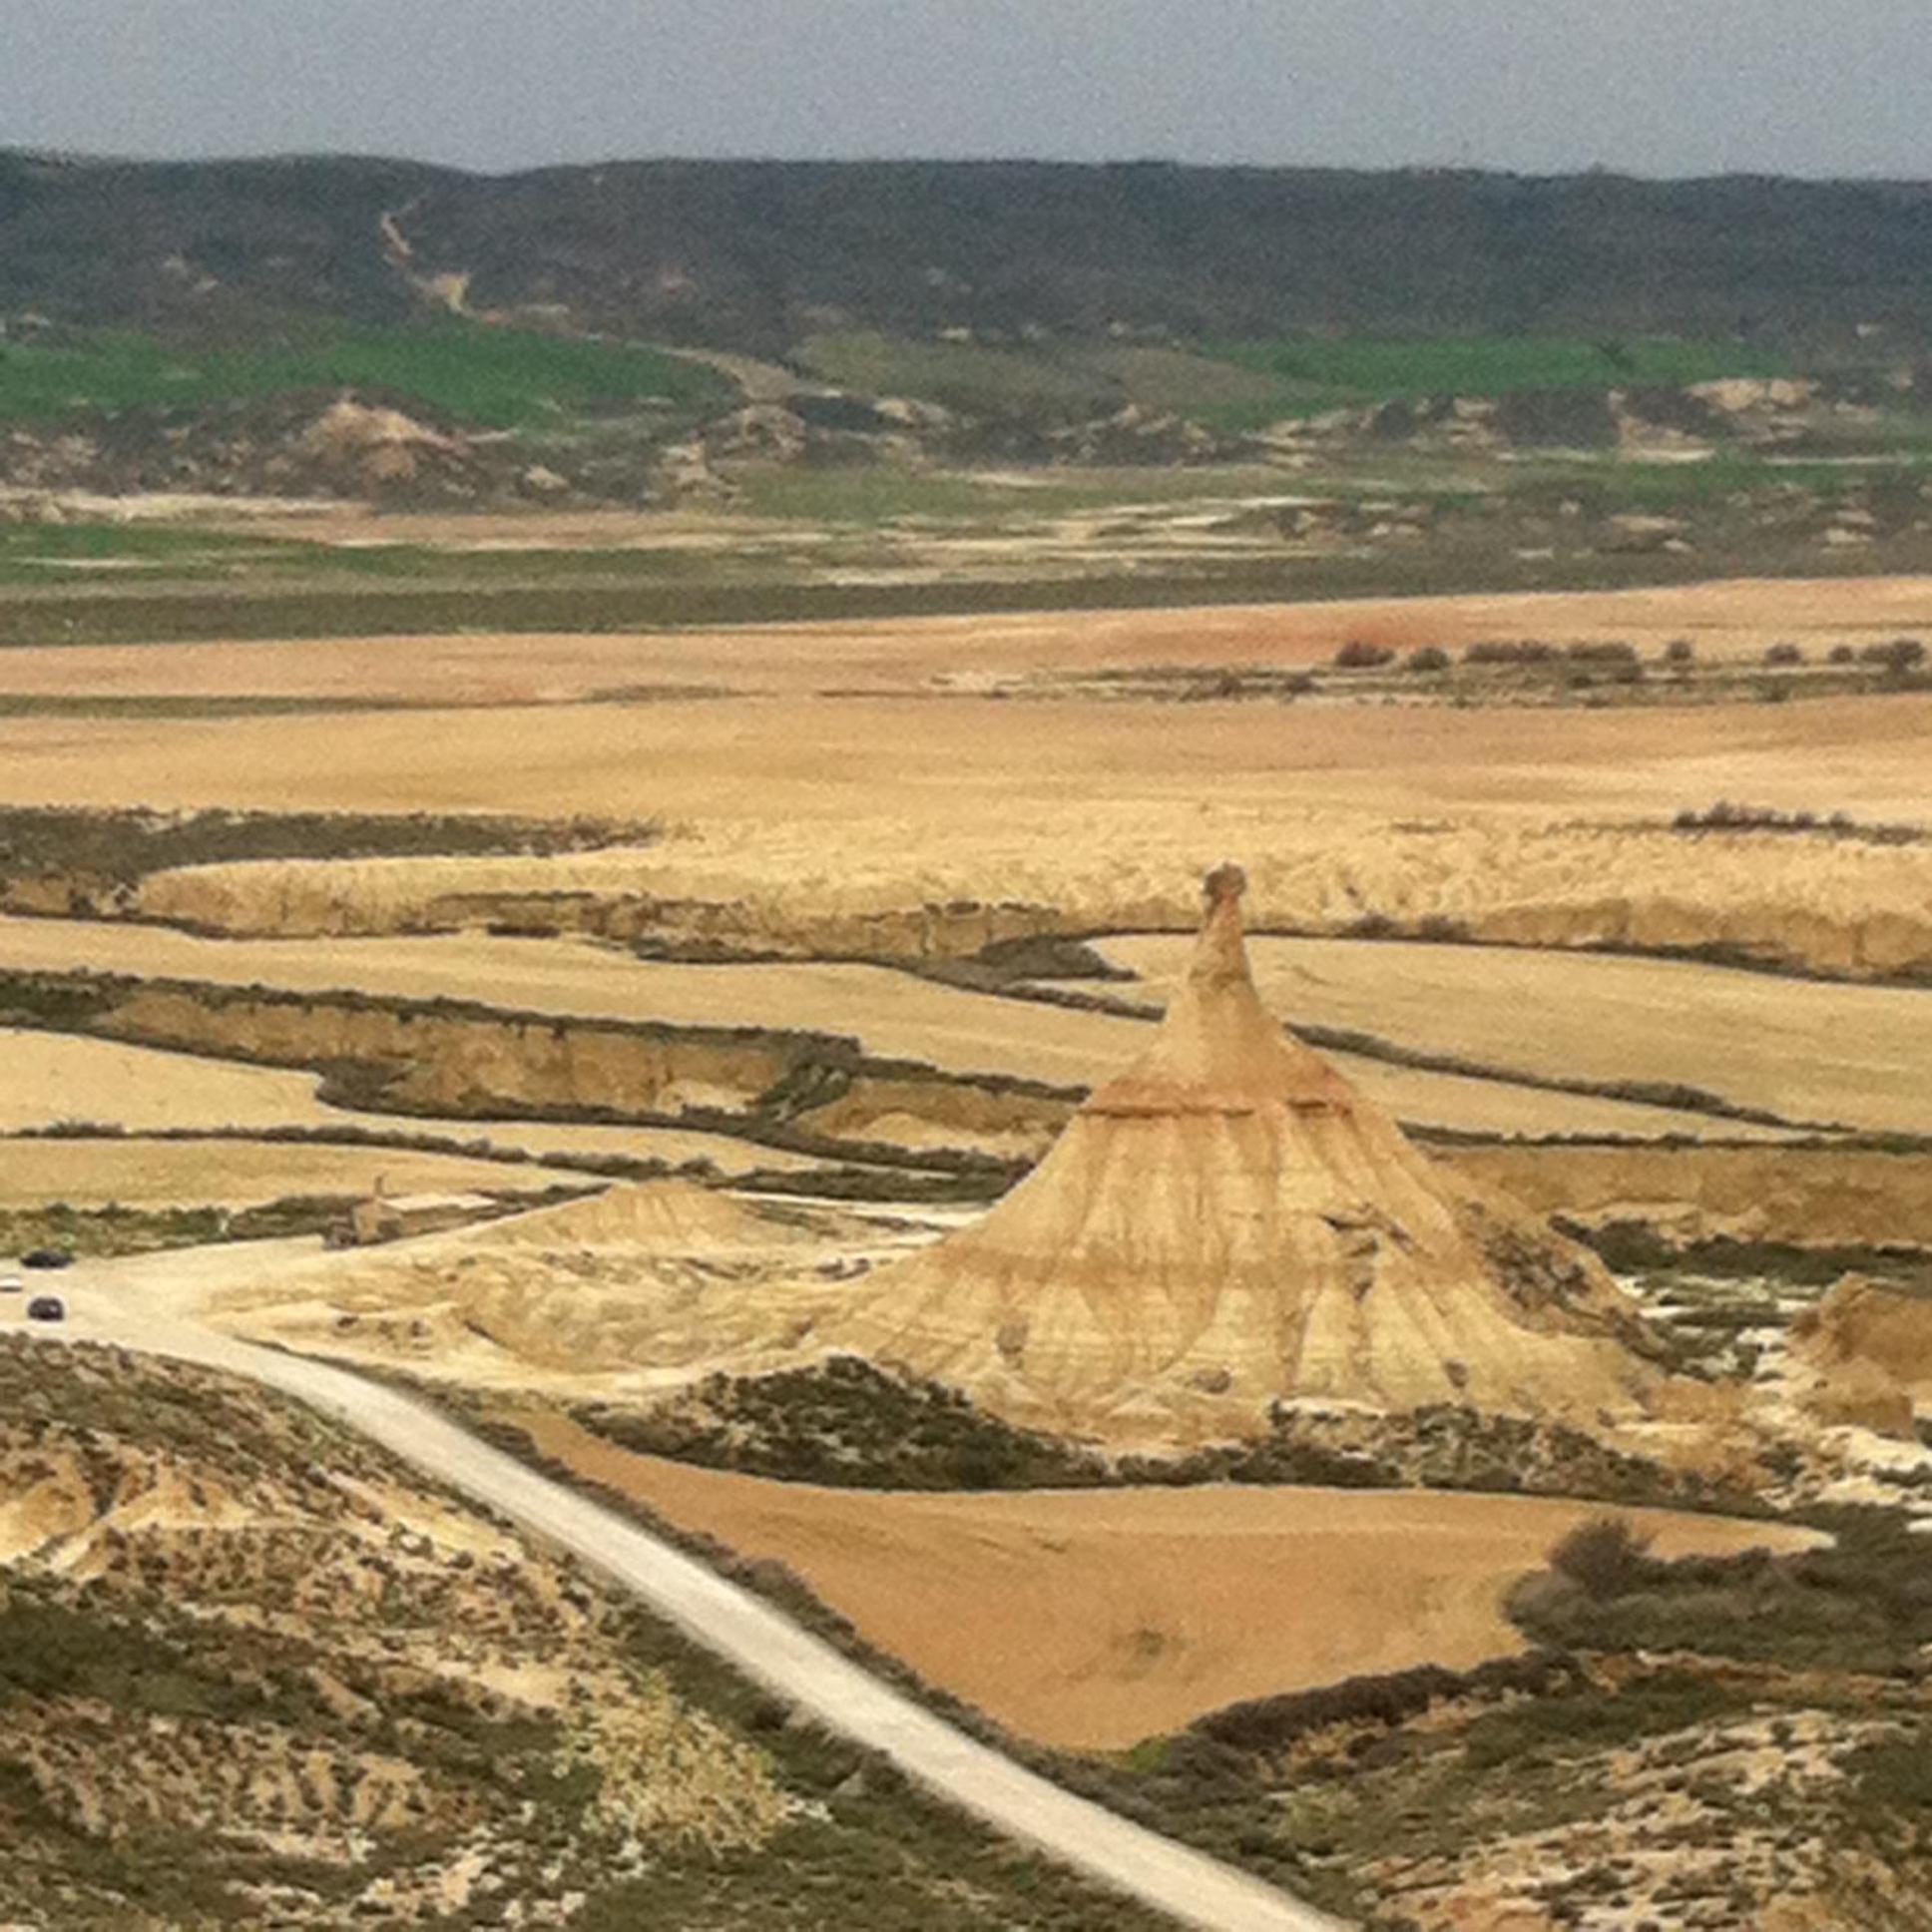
(1817, 904)
(812, 1093)
(616, 897)
(1794, 1197)
(74, 861)
(1863, 1355)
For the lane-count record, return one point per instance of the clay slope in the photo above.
(677, 1216)
(1227, 1223)
(1864, 1356)
(618, 1292)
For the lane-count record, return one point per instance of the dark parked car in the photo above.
(47, 1308)
(46, 1258)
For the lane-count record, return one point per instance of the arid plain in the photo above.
(835, 926)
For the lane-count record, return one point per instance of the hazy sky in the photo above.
(1661, 87)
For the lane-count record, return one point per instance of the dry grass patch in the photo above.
(226, 1173)
(47, 1079)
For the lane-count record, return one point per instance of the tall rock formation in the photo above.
(1228, 1224)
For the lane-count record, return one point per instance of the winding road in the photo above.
(731, 1623)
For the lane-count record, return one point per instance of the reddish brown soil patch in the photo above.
(1095, 1618)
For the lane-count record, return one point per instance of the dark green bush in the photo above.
(1606, 1556)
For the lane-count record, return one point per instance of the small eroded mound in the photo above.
(620, 1295)
(1868, 1353)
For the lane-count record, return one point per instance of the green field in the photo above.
(1315, 374)
(1238, 385)
(499, 378)
(1728, 475)
(102, 554)
(967, 376)
(507, 378)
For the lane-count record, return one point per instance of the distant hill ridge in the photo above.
(758, 255)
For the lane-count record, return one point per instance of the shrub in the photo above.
(1725, 817)
(1359, 655)
(1504, 651)
(1901, 655)
(1782, 655)
(1273, 1723)
(1842, 654)
(1680, 651)
(1605, 1555)
(1604, 660)
(1431, 657)
(847, 1423)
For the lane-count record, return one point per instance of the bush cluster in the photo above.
(1359, 655)
(1606, 1556)
(848, 1424)
(1728, 815)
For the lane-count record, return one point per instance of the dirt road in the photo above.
(108, 1305)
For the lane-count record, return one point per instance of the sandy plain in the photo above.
(1545, 826)
(229, 1174)
(1099, 1618)
(1727, 619)
(50, 1078)
(961, 766)
(824, 793)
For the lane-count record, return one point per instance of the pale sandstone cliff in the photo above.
(1827, 905)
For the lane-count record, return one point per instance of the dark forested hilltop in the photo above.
(756, 255)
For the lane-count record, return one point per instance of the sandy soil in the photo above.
(46, 1078)
(940, 764)
(1726, 619)
(804, 805)
(671, 1145)
(1515, 823)
(1803, 1049)
(229, 1174)
(636, 1290)
(1097, 1617)
(893, 1014)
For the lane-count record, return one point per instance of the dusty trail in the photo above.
(745, 1630)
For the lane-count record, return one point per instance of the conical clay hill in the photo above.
(1227, 1223)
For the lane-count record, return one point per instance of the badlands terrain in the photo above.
(725, 980)
(1155, 941)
